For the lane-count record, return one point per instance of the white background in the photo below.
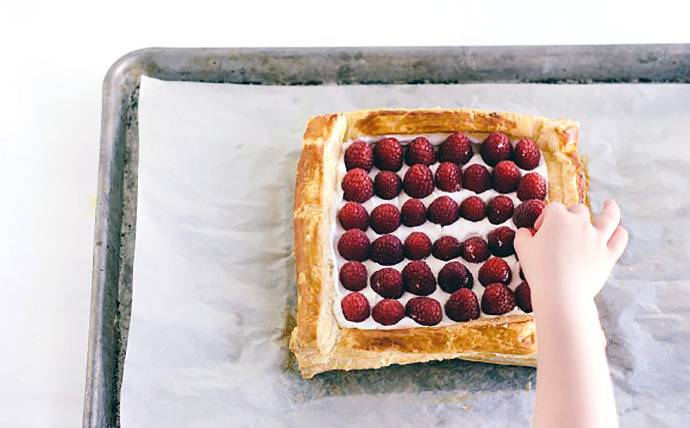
(53, 58)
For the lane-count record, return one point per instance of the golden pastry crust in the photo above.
(318, 342)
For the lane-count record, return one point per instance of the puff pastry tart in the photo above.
(404, 224)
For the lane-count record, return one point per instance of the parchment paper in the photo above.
(214, 285)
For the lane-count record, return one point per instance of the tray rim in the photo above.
(115, 226)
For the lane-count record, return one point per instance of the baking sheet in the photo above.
(214, 283)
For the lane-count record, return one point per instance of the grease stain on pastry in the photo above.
(408, 121)
(289, 359)
(319, 127)
(460, 399)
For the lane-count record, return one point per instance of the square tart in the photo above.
(318, 341)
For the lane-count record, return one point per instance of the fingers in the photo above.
(609, 219)
(539, 221)
(579, 209)
(522, 236)
(618, 242)
(554, 206)
(550, 207)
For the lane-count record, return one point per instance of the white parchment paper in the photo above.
(214, 285)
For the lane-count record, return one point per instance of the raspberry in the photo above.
(532, 186)
(499, 209)
(354, 245)
(357, 186)
(527, 154)
(388, 154)
(523, 297)
(355, 307)
(454, 276)
(501, 241)
(496, 148)
(418, 181)
(385, 218)
(387, 250)
(494, 270)
(354, 216)
(497, 299)
(476, 178)
(359, 155)
(417, 246)
(473, 208)
(388, 312)
(456, 149)
(413, 213)
(443, 211)
(424, 310)
(388, 283)
(418, 278)
(353, 276)
(462, 305)
(446, 248)
(474, 250)
(448, 177)
(387, 185)
(420, 151)
(527, 213)
(506, 176)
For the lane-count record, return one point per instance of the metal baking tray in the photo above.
(117, 181)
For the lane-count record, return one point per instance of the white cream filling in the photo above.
(461, 229)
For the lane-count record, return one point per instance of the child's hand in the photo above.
(566, 263)
(569, 257)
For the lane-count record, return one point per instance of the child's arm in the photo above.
(566, 263)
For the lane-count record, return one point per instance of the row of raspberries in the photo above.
(387, 154)
(419, 181)
(417, 278)
(444, 211)
(387, 250)
(462, 305)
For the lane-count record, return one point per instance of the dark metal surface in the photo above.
(117, 181)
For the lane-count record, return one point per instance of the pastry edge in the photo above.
(317, 341)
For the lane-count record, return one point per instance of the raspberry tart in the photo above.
(404, 225)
